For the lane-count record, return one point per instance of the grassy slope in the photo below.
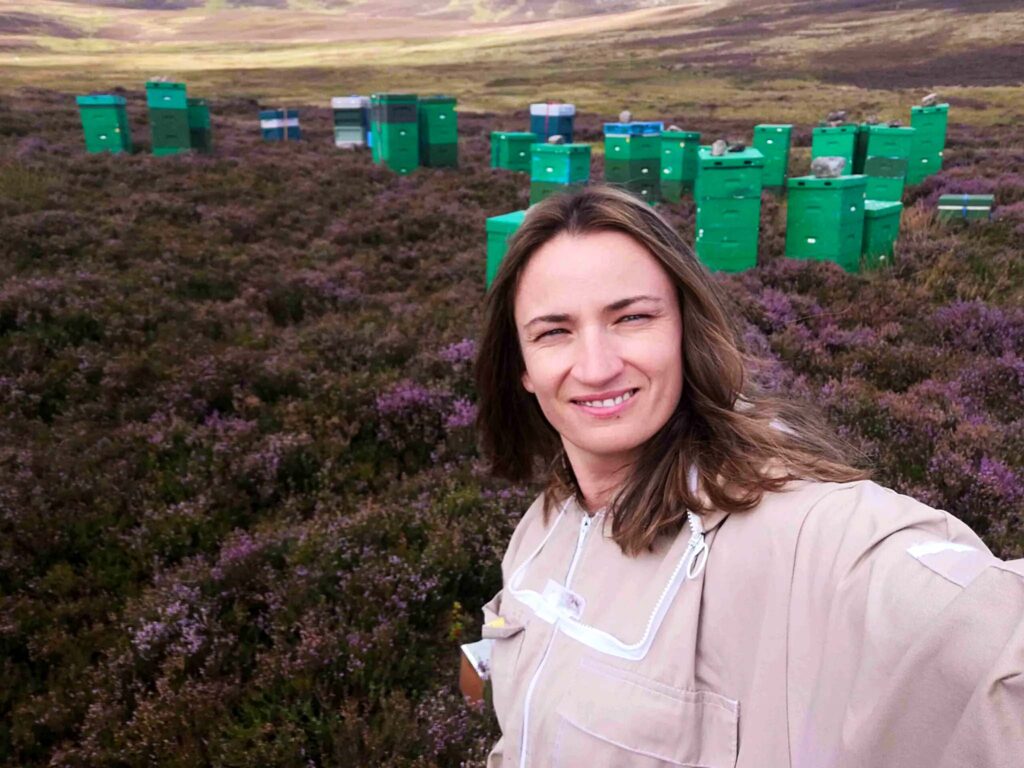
(719, 59)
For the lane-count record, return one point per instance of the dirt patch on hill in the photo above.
(866, 67)
(15, 23)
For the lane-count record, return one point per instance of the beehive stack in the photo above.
(511, 150)
(351, 116)
(499, 230)
(883, 154)
(825, 219)
(930, 124)
(552, 119)
(881, 228)
(168, 117)
(632, 157)
(773, 141)
(199, 127)
(280, 124)
(728, 196)
(105, 123)
(439, 132)
(679, 150)
(394, 122)
(557, 168)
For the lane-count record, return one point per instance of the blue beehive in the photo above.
(552, 119)
(280, 124)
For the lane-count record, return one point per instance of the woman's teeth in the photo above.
(609, 403)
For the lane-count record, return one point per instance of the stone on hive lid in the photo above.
(828, 167)
(930, 99)
(625, 116)
(674, 127)
(718, 148)
(556, 139)
(836, 116)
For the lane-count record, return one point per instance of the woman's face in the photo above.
(601, 333)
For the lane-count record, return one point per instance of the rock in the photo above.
(718, 148)
(625, 116)
(738, 146)
(556, 139)
(837, 116)
(895, 123)
(930, 100)
(673, 127)
(873, 120)
(828, 167)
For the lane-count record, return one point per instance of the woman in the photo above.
(705, 580)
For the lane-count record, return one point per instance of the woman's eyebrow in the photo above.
(623, 303)
(562, 318)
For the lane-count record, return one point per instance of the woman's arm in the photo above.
(906, 639)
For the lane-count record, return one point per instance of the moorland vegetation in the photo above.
(243, 520)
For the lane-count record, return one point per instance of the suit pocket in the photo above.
(505, 625)
(615, 719)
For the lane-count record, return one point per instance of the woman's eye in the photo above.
(552, 332)
(631, 318)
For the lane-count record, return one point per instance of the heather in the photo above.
(243, 519)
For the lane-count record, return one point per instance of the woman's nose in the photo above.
(598, 359)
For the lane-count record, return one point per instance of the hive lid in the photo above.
(874, 209)
(840, 182)
(889, 130)
(506, 222)
(773, 128)
(635, 128)
(962, 201)
(553, 110)
(848, 128)
(561, 149)
(395, 98)
(686, 135)
(103, 100)
(747, 158)
(930, 110)
(159, 85)
(350, 102)
(438, 99)
(514, 135)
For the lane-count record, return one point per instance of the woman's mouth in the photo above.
(605, 403)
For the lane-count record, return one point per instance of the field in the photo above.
(243, 520)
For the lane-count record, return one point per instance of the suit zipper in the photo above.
(581, 538)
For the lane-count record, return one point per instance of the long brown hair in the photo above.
(742, 442)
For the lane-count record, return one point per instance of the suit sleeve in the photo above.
(906, 639)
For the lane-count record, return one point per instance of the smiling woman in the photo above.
(702, 544)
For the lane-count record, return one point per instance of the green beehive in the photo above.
(200, 133)
(835, 141)
(881, 228)
(511, 150)
(772, 141)
(499, 230)
(825, 219)
(105, 124)
(678, 163)
(439, 132)
(728, 196)
(633, 162)
(557, 168)
(170, 131)
(929, 143)
(883, 152)
(394, 121)
(966, 206)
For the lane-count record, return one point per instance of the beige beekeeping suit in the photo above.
(833, 626)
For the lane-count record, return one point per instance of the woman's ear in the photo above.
(528, 384)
